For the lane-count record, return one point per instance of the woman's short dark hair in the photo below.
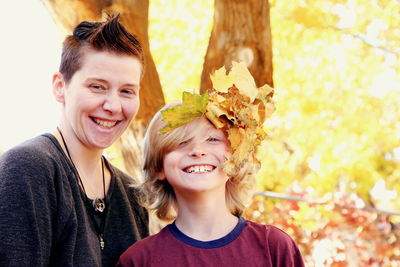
(108, 36)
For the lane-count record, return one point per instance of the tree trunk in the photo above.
(241, 32)
(134, 16)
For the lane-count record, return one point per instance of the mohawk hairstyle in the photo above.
(109, 36)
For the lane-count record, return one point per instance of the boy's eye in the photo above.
(183, 143)
(212, 139)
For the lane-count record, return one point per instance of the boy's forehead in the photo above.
(200, 123)
(202, 126)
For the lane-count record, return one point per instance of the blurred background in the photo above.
(330, 173)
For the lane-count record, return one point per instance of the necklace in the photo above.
(98, 204)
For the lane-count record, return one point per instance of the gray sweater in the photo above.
(44, 217)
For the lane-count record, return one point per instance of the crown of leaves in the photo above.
(234, 104)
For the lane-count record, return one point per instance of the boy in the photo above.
(61, 202)
(197, 174)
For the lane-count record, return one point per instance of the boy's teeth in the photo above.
(106, 124)
(199, 169)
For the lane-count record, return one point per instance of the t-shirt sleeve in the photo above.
(133, 256)
(284, 251)
(26, 204)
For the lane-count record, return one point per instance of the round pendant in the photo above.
(99, 205)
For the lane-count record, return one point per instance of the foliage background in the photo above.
(334, 138)
(335, 135)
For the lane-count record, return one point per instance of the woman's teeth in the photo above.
(106, 124)
(199, 169)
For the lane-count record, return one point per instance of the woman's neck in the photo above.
(87, 162)
(82, 156)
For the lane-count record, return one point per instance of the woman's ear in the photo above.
(59, 87)
(160, 175)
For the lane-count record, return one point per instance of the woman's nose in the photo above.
(112, 103)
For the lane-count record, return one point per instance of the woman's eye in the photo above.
(128, 92)
(97, 87)
(212, 139)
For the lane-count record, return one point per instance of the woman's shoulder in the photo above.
(37, 161)
(124, 190)
(125, 179)
(123, 182)
(36, 151)
(31, 168)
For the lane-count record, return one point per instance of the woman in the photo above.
(62, 202)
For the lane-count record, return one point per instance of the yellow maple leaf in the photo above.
(239, 76)
(221, 82)
(235, 136)
(243, 80)
(214, 113)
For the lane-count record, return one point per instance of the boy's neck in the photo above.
(205, 220)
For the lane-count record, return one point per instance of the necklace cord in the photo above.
(99, 229)
(73, 164)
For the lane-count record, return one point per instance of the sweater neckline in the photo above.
(220, 242)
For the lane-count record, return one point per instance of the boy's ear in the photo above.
(160, 175)
(58, 87)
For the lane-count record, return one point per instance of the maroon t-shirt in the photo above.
(248, 244)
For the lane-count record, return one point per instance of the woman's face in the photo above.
(101, 98)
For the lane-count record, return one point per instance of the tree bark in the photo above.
(241, 32)
(134, 16)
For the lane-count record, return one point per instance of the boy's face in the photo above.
(101, 98)
(196, 165)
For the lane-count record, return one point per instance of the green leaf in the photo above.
(193, 107)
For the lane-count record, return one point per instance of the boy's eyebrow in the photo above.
(187, 139)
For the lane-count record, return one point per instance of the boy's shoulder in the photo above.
(271, 234)
(280, 246)
(141, 250)
(269, 229)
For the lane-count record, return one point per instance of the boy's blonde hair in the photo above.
(158, 195)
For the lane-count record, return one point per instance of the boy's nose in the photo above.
(196, 153)
(196, 150)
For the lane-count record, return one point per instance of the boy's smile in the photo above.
(199, 168)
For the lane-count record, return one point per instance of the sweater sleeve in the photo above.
(27, 199)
